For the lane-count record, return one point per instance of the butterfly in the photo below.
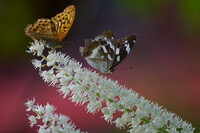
(52, 30)
(105, 53)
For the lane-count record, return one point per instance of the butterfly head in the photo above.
(54, 44)
(107, 33)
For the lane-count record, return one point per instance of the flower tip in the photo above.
(36, 47)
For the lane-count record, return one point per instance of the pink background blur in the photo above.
(165, 59)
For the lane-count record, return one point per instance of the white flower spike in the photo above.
(52, 122)
(85, 86)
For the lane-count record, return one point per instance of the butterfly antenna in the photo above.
(124, 67)
(69, 42)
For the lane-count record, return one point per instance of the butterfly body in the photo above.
(105, 53)
(52, 30)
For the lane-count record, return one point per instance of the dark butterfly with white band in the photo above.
(105, 53)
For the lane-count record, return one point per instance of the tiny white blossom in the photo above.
(37, 47)
(52, 57)
(48, 75)
(135, 121)
(32, 120)
(49, 108)
(43, 129)
(64, 81)
(39, 109)
(173, 130)
(47, 117)
(62, 119)
(53, 80)
(64, 91)
(125, 118)
(94, 106)
(37, 63)
(120, 122)
(108, 117)
(30, 104)
(78, 98)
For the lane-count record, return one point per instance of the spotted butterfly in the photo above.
(105, 53)
(52, 30)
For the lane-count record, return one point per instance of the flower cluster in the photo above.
(99, 93)
(53, 123)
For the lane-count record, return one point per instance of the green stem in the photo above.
(54, 65)
(48, 123)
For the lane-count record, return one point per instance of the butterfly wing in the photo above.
(123, 48)
(107, 44)
(97, 52)
(41, 29)
(63, 21)
(93, 54)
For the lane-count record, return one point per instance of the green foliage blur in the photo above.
(14, 16)
(190, 15)
(187, 12)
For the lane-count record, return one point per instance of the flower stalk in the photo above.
(52, 122)
(82, 85)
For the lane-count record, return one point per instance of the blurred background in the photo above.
(165, 59)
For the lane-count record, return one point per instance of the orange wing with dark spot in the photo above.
(63, 21)
(42, 28)
(54, 29)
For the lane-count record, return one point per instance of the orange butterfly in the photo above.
(52, 30)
